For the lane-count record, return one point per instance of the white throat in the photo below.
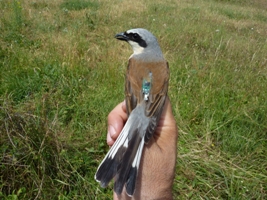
(136, 48)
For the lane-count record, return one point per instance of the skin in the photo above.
(157, 167)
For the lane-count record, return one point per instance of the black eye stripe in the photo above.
(136, 38)
(133, 36)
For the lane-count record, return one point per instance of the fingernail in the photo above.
(123, 105)
(111, 130)
(109, 140)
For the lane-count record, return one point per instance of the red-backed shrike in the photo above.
(146, 87)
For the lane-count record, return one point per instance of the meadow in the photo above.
(62, 72)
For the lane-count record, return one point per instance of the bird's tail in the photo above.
(123, 159)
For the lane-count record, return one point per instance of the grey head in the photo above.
(144, 44)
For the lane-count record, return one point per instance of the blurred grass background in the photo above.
(62, 72)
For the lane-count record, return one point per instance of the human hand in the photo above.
(157, 167)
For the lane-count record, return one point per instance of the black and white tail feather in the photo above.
(123, 159)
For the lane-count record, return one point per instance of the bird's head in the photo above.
(141, 40)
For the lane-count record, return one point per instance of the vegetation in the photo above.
(62, 73)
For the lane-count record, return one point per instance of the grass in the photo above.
(62, 73)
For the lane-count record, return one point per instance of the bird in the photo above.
(146, 88)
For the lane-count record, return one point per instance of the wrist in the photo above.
(154, 187)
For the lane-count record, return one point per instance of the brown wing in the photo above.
(136, 72)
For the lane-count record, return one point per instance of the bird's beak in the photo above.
(121, 36)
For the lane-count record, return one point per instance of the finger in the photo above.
(116, 120)
(123, 106)
(167, 118)
(167, 130)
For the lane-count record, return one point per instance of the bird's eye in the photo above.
(135, 35)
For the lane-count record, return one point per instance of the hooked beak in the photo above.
(121, 36)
